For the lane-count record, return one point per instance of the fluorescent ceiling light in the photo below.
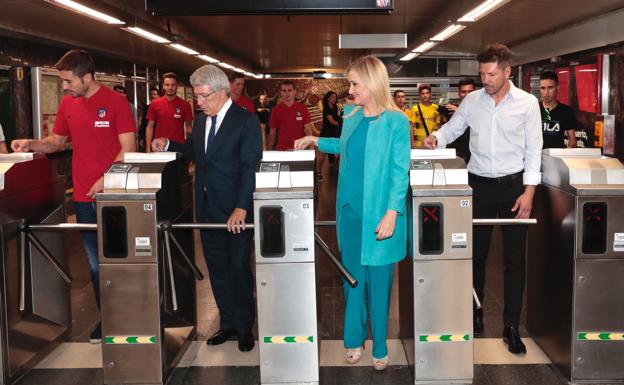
(426, 46)
(225, 65)
(482, 10)
(409, 56)
(249, 74)
(208, 59)
(372, 40)
(184, 49)
(448, 32)
(92, 13)
(146, 34)
(258, 76)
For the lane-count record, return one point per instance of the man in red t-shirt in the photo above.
(290, 120)
(101, 126)
(237, 86)
(170, 115)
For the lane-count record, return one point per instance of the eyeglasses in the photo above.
(547, 113)
(203, 96)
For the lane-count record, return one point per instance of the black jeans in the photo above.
(492, 199)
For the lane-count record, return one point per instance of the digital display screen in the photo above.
(221, 7)
(272, 234)
(114, 232)
(594, 228)
(430, 237)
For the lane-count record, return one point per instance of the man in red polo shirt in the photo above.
(290, 120)
(101, 126)
(237, 85)
(170, 115)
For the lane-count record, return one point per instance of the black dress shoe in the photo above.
(477, 322)
(221, 336)
(246, 342)
(512, 338)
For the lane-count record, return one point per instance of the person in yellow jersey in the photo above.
(425, 116)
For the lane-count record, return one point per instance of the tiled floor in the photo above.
(78, 363)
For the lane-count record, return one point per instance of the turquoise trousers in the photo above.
(374, 285)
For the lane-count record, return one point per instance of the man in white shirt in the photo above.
(506, 144)
(226, 145)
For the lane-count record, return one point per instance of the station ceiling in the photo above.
(291, 43)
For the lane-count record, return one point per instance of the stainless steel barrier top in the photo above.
(285, 175)
(8, 160)
(139, 175)
(582, 171)
(438, 173)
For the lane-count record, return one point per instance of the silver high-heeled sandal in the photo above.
(380, 363)
(353, 355)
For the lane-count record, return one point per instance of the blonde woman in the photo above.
(370, 206)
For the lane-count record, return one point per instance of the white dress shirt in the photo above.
(504, 138)
(220, 116)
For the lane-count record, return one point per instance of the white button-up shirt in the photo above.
(220, 116)
(504, 138)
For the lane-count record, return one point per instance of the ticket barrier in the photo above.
(285, 270)
(435, 283)
(147, 276)
(35, 311)
(575, 265)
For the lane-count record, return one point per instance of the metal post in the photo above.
(22, 273)
(63, 227)
(605, 84)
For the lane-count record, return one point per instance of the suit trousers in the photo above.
(374, 282)
(227, 257)
(492, 199)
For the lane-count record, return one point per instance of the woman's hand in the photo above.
(385, 228)
(303, 143)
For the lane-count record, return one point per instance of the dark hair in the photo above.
(118, 87)
(154, 89)
(170, 75)
(235, 75)
(396, 92)
(326, 100)
(495, 53)
(466, 82)
(78, 62)
(424, 86)
(288, 82)
(550, 75)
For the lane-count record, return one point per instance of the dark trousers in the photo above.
(86, 213)
(492, 199)
(227, 257)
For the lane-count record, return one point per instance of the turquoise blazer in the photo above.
(386, 167)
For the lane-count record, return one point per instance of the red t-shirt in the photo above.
(289, 123)
(245, 103)
(169, 117)
(93, 125)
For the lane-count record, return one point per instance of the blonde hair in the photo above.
(375, 76)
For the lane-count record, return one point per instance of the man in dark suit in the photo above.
(226, 145)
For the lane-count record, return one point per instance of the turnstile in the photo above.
(285, 270)
(35, 310)
(575, 265)
(147, 280)
(435, 284)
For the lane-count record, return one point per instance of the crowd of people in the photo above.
(499, 129)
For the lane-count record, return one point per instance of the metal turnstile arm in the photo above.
(166, 228)
(174, 299)
(343, 271)
(49, 257)
(503, 221)
(22, 272)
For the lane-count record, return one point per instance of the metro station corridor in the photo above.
(77, 362)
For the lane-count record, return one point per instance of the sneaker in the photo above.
(96, 334)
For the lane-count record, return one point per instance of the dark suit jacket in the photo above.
(225, 177)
